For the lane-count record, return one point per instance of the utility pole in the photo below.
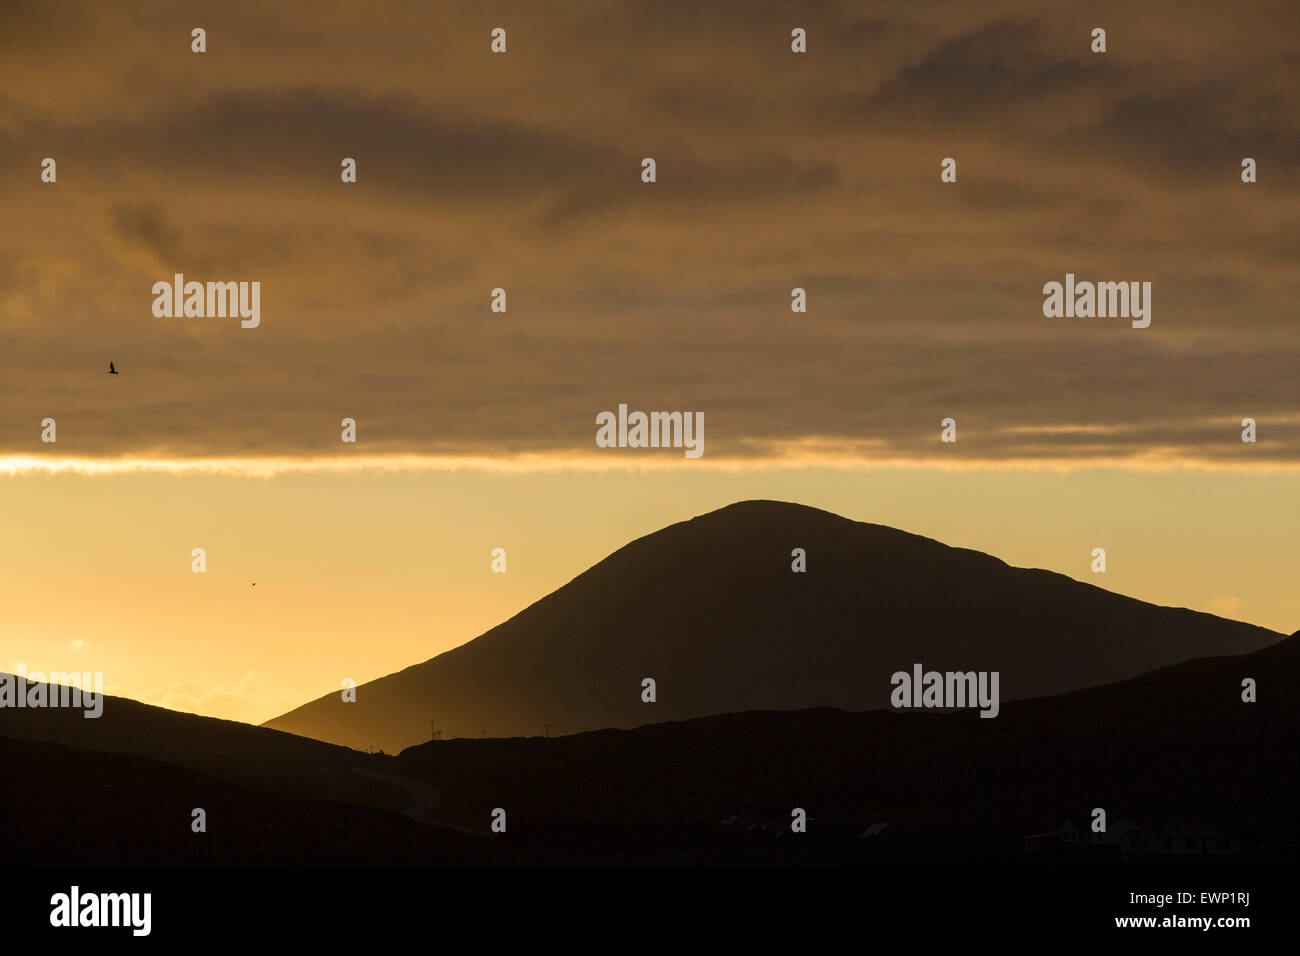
(548, 730)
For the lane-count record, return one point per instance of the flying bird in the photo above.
(111, 369)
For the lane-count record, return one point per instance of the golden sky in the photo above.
(362, 574)
(522, 171)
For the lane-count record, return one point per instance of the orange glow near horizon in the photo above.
(362, 572)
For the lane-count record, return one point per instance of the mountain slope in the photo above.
(1173, 744)
(77, 807)
(711, 610)
(265, 760)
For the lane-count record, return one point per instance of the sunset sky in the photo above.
(522, 171)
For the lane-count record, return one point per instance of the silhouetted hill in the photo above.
(711, 610)
(63, 806)
(256, 757)
(929, 788)
(1175, 744)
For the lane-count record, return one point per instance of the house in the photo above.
(1130, 839)
(1188, 838)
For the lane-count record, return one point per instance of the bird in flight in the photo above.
(111, 369)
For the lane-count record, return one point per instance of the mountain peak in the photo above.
(718, 613)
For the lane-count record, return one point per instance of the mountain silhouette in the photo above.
(265, 760)
(1176, 743)
(74, 807)
(712, 611)
(936, 788)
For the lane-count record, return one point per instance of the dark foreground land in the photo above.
(1175, 757)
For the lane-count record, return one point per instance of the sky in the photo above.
(522, 171)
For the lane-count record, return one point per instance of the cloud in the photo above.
(251, 700)
(982, 73)
(1225, 606)
(775, 170)
(1204, 130)
(144, 225)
